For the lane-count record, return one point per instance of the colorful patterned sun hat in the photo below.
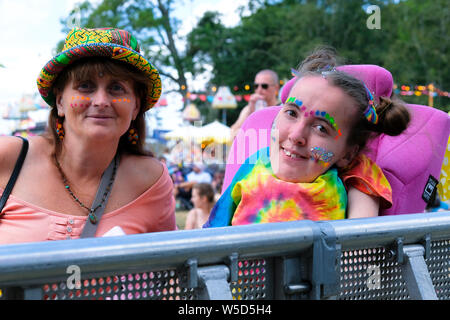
(103, 42)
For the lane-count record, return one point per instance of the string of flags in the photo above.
(404, 90)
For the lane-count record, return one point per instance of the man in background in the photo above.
(266, 88)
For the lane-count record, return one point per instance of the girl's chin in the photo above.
(293, 176)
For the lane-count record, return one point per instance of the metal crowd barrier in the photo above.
(393, 257)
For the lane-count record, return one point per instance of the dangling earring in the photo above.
(59, 128)
(133, 136)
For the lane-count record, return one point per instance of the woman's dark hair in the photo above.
(205, 190)
(88, 68)
(393, 116)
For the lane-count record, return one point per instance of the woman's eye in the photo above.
(84, 86)
(116, 87)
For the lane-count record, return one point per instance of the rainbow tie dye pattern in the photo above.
(256, 195)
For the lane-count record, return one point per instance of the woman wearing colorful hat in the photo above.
(89, 174)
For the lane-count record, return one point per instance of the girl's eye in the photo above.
(321, 128)
(291, 113)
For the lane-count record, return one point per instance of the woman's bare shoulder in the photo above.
(143, 170)
(9, 152)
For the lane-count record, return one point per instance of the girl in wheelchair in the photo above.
(315, 152)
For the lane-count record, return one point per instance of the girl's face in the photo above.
(196, 199)
(100, 108)
(310, 132)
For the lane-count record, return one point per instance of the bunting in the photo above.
(403, 90)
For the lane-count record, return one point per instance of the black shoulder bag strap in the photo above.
(14, 175)
(90, 228)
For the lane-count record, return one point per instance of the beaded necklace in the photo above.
(91, 215)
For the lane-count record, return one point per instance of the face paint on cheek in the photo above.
(121, 100)
(81, 104)
(321, 155)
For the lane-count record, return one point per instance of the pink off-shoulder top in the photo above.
(152, 211)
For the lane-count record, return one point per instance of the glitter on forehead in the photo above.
(318, 113)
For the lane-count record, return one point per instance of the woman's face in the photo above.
(311, 130)
(101, 107)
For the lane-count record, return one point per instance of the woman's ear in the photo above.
(348, 157)
(136, 109)
(59, 103)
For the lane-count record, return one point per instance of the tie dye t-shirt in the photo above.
(256, 195)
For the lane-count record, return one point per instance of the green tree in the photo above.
(418, 52)
(412, 42)
(151, 22)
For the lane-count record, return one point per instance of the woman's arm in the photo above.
(361, 205)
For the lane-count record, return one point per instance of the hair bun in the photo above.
(321, 58)
(393, 116)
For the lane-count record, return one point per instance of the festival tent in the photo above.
(186, 133)
(215, 132)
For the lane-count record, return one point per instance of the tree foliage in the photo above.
(151, 22)
(412, 42)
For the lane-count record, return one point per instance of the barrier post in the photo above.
(416, 275)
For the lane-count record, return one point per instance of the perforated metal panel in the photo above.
(159, 285)
(254, 280)
(361, 268)
(371, 274)
(439, 267)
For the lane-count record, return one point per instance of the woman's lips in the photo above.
(292, 154)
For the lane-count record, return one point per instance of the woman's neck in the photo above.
(85, 159)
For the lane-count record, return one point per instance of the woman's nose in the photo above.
(298, 133)
(100, 98)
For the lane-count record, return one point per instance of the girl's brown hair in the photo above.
(393, 116)
(88, 68)
(205, 190)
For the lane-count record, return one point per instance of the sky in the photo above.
(32, 28)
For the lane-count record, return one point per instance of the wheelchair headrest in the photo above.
(377, 79)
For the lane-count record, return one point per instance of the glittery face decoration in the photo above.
(296, 101)
(121, 100)
(321, 155)
(83, 102)
(316, 113)
(80, 101)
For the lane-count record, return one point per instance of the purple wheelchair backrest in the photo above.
(407, 160)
